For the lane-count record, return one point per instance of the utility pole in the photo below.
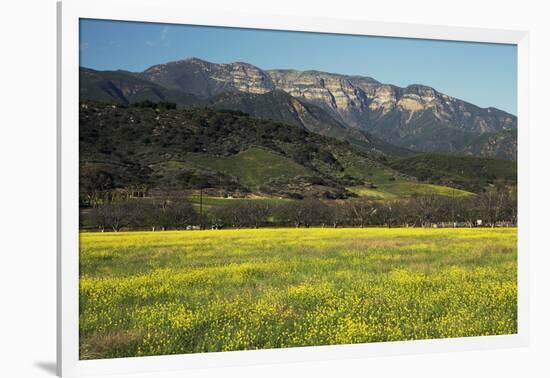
(200, 208)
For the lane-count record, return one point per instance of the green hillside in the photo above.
(253, 167)
(125, 88)
(463, 172)
(404, 189)
(231, 154)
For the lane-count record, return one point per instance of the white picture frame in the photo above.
(69, 13)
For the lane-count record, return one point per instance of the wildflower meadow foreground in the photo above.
(156, 293)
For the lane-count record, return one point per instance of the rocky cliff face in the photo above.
(280, 106)
(206, 79)
(500, 145)
(354, 100)
(339, 94)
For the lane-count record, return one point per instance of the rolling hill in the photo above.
(124, 87)
(229, 151)
(469, 173)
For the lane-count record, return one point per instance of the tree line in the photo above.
(491, 208)
(139, 213)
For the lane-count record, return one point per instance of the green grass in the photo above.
(393, 185)
(256, 166)
(145, 293)
(404, 189)
(221, 201)
(253, 167)
(174, 164)
(368, 170)
(370, 193)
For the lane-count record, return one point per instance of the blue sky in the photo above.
(484, 74)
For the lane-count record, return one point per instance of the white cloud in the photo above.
(161, 40)
(164, 33)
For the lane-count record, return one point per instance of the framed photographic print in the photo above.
(243, 188)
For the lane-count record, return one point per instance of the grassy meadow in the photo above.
(157, 293)
(405, 189)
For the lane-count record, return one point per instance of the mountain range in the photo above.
(370, 115)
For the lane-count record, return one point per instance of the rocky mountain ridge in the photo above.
(416, 117)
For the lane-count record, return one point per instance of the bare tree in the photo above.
(230, 215)
(511, 206)
(307, 212)
(338, 214)
(183, 214)
(98, 218)
(426, 209)
(491, 205)
(361, 211)
(146, 214)
(173, 213)
(117, 215)
(256, 213)
(388, 212)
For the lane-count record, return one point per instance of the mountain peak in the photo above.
(162, 66)
(419, 87)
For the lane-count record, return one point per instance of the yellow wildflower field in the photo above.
(175, 292)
